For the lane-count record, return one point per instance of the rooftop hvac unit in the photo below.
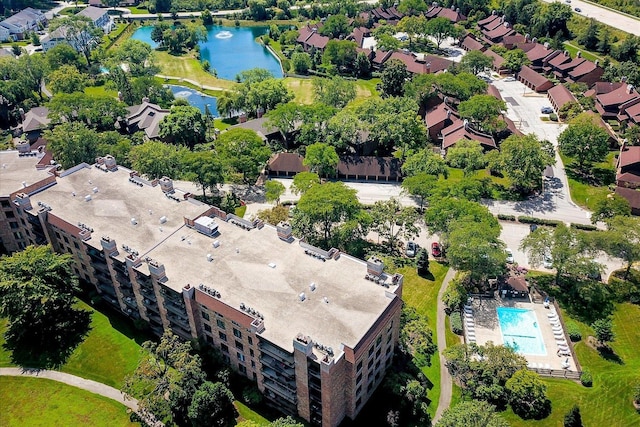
(216, 244)
(87, 198)
(312, 286)
(134, 221)
(163, 219)
(302, 296)
(95, 189)
(209, 257)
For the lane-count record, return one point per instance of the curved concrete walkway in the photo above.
(72, 380)
(446, 383)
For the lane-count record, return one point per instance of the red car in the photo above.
(436, 250)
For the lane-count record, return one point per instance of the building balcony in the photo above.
(284, 392)
(284, 367)
(176, 309)
(289, 381)
(276, 353)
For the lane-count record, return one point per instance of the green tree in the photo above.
(322, 208)
(362, 66)
(393, 78)
(573, 417)
(301, 62)
(523, 159)
(473, 413)
(440, 29)
(392, 222)
(603, 328)
(62, 54)
(285, 422)
(416, 337)
(387, 42)
(515, 59)
(284, 117)
(443, 215)
(622, 240)
(336, 91)
(609, 207)
(157, 159)
(528, 395)
(258, 10)
(340, 53)
(322, 159)
(263, 95)
(413, 26)
(273, 191)
(137, 55)
(79, 32)
(343, 131)
(304, 181)
(484, 111)
(72, 143)
(207, 18)
(244, 152)
(204, 168)
(420, 186)
(475, 62)
(589, 37)
(66, 79)
(37, 290)
(212, 405)
(584, 140)
(184, 126)
(335, 26)
(99, 112)
(466, 155)
(412, 7)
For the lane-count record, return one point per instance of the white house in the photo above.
(4, 34)
(26, 20)
(99, 17)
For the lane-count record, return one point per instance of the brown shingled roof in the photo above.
(629, 156)
(560, 95)
(632, 196)
(618, 96)
(536, 79)
(286, 162)
(370, 166)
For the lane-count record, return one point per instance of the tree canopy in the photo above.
(243, 152)
(523, 159)
(394, 76)
(212, 405)
(484, 110)
(466, 155)
(37, 289)
(336, 91)
(472, 413)
(322, 159)
(528, 395)
(392, 222)
(475, 62)
(584, 140)
(185, 125)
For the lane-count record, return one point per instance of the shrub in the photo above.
(505, 217)
(455, 296)
(540, 221)
(206, 65)
(553, 117)
(456, 322)
(574, 332)
(586, 227)
(586, 379)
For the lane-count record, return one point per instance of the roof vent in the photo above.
(95, 189)
(24, 184)
(302, 296)
(578, 54)
(216, 244)
(325, 300)
(209, 257)
(163, 219)
(133, 220)
(312, 286)
(272, 264)
(87, 198)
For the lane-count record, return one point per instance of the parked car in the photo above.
(567, 1)
(577, 9)
(412, 249)
(436, 249)
(509, 255)
(510, 79)
(546, 110)
(532, 228)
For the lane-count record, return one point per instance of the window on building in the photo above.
(379, 341)
(17, 235)
(377, 376)
(253, 364)
(370, 364)
(206, 316)
(220, 323)
(359, 378)
(224, 348)
(14, 225)
(237, 333)
(388, 350)
(226, 359)
(250, 340)
(222, 336)
(76, 245)
(358, 402)
(209, 339)
(242, 369)
(378, 352)
(58, 235)
(359, 390)
(251, 353)
(371, 351)
(239, 345)
(240, 356)
(359, 367)
(377, 364)
(207, 328)
(66, 239)
(390, 337)
(10, 214)
(255, 377)
(370, 387)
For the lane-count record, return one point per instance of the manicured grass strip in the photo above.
(190, 68)
(246, 413)
(100, 91)
(42, 402)
(422, 294)
(110, 351)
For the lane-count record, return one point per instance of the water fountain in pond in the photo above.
(224, 35)
(182, 94)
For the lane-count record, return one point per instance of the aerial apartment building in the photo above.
(315, 329)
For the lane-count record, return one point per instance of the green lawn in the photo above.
(100, 91)
(186, 66)
(246, 413)
(107, 354)
(582, 193)
(138, 11)
(608, 402)
(573, 49)
(422, 294)
(42, 402)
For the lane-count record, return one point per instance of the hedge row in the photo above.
(540, 221)
(456, 322)
(587, 227)
(505, 217)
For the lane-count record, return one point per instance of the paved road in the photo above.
(446, 382)
(614, 19)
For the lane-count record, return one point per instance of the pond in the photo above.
(229, 50)
(196, 99)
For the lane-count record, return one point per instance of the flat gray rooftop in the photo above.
(14, 170)
(112, 207)
(241, 272)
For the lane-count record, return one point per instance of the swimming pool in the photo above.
(521, 331)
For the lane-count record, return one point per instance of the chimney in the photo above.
(157, 270)
(110, 162)
(546, 45)
(23, 201)
(493, 12)
(527, 37)
(448, 114)
(375, 266)
(109, 245)
(23, 147)
(120, 97)
(166, 184)
(597, 62)
(145, 99)
(629, 88)
(21, 111)
(578, 54)
(501, 19)
(284, 231)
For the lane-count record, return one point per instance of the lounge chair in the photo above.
(564, 353)
(558, 334)
(563, 348)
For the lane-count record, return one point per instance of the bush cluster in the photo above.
(540, 221)
(586, 227)
(456, 322)
(505, 217)
(574, 332)
(586, 378)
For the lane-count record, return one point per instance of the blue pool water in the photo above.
(196, 99)
(521, 331)
(229, 50)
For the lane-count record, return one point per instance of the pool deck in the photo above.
(487, 328)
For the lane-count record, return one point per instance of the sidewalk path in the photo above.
(193, 82)
(446, 383)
